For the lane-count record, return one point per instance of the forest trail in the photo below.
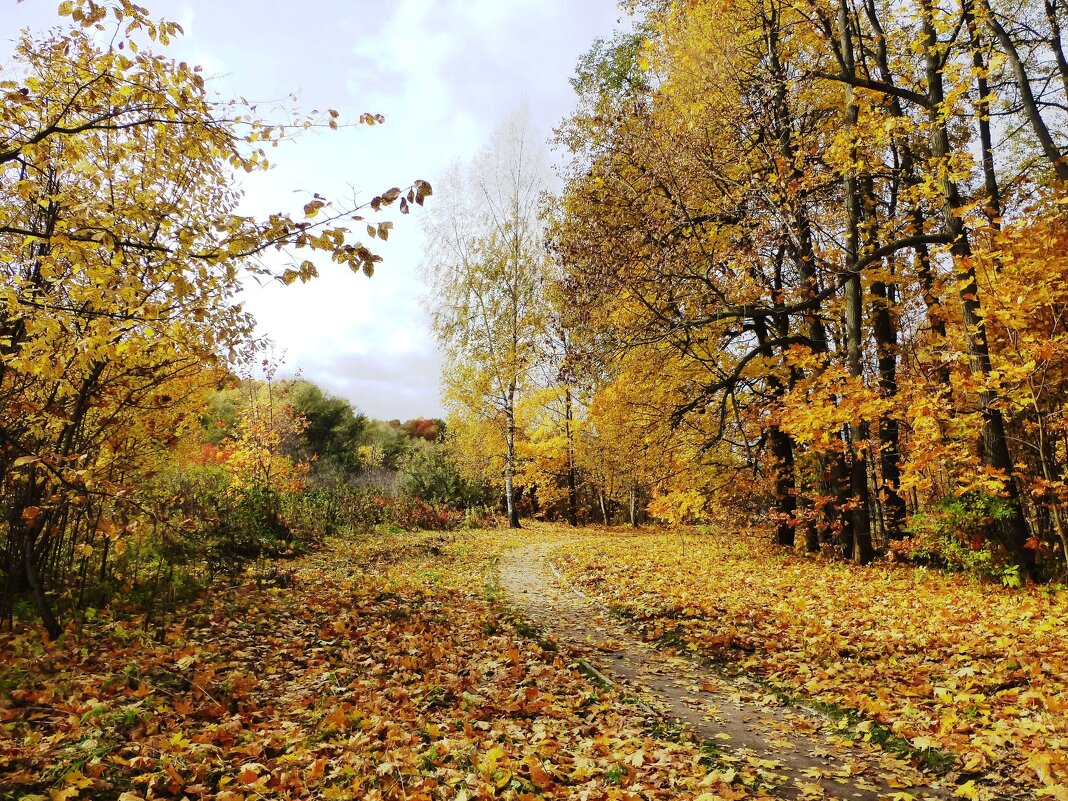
(803, 755)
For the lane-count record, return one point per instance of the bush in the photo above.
(412, 514)
(951, 537)
(431, 475)
(231, 525)
(362, 510)
(315, 512)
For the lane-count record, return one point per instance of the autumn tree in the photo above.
(430, 430)
(486, 265)
(123, 252)
(809, 204)
(333, 428)
(658, 229)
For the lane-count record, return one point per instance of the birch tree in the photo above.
(486, 266)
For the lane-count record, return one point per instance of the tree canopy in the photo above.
(123, 250)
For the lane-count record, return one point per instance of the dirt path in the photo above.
(802, 756)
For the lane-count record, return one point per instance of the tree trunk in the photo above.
(837, 507)
(40, 601)
(802, 252)
(834, 524)
(982, 109)
(909, 176)
(1027, 97)
(511, 507)
(1013, 533)
(812, 538)
(509, 463)
(1056, 44)
(858, 473)
(889, 429)
(782, 449)
(569, 430)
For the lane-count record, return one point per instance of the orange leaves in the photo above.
(382, 672)
(815, 410)
(680, 506)
(942, 661)
(541, 778)
(250, 773)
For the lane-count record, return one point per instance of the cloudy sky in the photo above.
(444, 73)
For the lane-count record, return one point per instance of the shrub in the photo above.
(431, 475)
(362, 510)
(951, 537)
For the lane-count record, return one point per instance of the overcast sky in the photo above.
(444, 73)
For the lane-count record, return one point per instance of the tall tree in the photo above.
(487, 267)
(121, 256)
(788, 196)
(333, 428)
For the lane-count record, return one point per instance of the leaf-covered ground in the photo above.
(972, 670)
(760, 742)
(389, 669)
(376, 670)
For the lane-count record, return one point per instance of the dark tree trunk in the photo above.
(982, 109)
(861, 550)
(781, 446)
(889, 430)
(37, 593)
(1027, 97)
(782, 450)
(908, 173)
(835, 524)
(802, 252)
(812, 538)
(509, 462)
(1013, 533)
(1056, 44)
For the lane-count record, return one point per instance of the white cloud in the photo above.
(443, 72)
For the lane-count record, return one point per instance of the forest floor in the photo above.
(461, 666)
(967, 679)
(796, 752)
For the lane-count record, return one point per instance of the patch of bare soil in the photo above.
(800, 755)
